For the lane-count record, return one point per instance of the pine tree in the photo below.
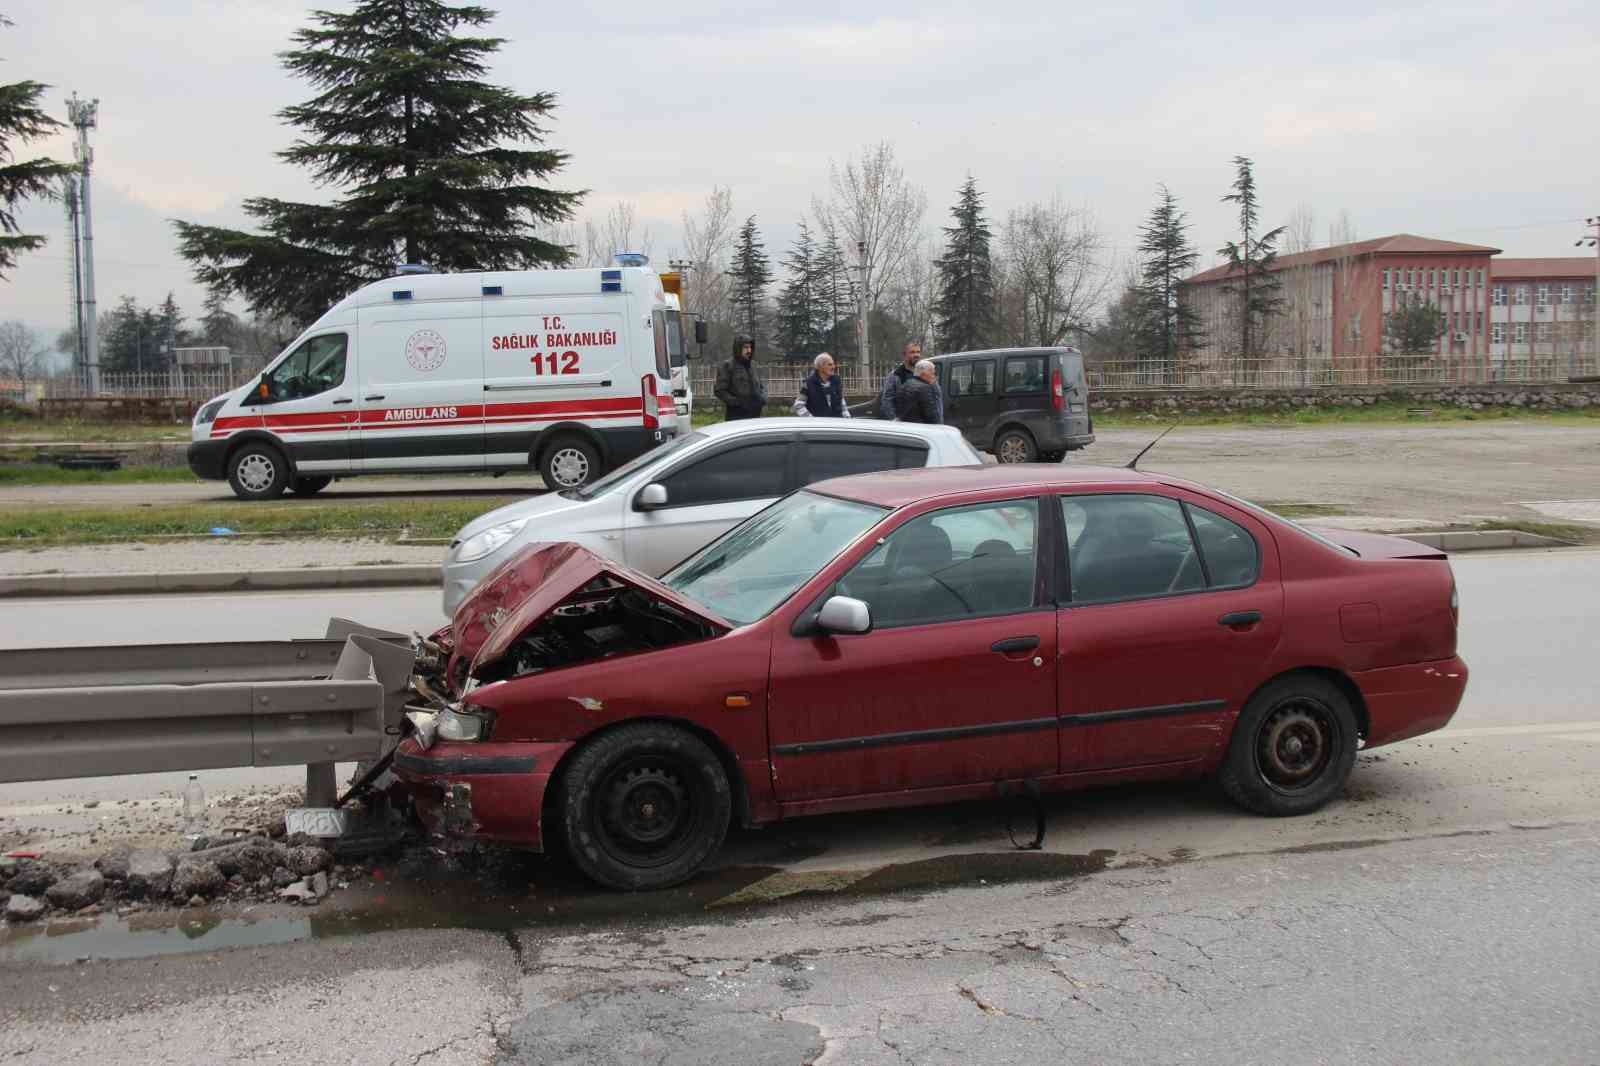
(1255, 287)
(836, 299)
(427, 155)
(801, 320)
(1166, 329)
(22, 121)
(218, 325)
(1411, 332)
(965, 308)
(750, 273)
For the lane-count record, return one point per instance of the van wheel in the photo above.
(644, 806)
(1015, 446)
(569, 463)
(1292, 747)
(306, 486)
(258, 472)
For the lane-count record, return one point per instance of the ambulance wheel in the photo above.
(258, 472)
(568, 463)
(306, 486)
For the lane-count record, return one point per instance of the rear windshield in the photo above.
(1256, 508)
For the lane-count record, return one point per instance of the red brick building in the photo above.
(1542, 307)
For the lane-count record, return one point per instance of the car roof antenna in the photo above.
(1133, 464)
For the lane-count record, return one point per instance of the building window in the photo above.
(1588, 294)
(1385, 279)
(1455, 279)
(1541, 296)
(1544, 331)
(1477, 322)
(1566, 294)
(1498, 296)
(1519, 333)
(1430, 278)
(1480, 279)
(1519, 295)
(1497, 333)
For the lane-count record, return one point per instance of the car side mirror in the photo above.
(701, 332)
(844, 614)
(651, 497)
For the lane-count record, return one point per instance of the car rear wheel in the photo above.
(306, 486)
(258, 472)
(569, 463)
(1292, 748)
(644, 806)
(1015, 446)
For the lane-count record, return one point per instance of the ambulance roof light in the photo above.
(413, 268)
(632, 259)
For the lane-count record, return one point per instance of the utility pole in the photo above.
(1592, 240)
(866, 326)
(82, 114)
(69, 198)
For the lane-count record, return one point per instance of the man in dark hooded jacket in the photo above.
(738, 387)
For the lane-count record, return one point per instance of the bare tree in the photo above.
(876, 217)
(22, 355)
(1053, 272)
(912, 298)
(708, 244)
(1346, 334)
(1301, 303)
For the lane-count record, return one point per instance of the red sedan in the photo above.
(923, 636)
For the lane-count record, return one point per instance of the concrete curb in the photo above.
(1466, 540)
(333, 577)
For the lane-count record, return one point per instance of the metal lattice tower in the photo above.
(83, 114)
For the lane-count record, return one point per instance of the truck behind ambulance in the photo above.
(568, 372)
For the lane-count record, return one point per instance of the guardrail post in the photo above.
(321, 790)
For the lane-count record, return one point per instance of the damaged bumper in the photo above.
(480, 792)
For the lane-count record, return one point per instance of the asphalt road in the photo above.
(1442, 911)
(1437, 473)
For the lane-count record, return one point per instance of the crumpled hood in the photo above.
(530, 584)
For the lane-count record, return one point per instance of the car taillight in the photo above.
(652, 418)
(1455, 605)
(1057, 394)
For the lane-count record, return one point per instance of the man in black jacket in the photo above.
(896, 378)
(738, 387)
(920, 399)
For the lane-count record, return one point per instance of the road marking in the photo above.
(1555, 728)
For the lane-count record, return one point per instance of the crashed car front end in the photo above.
(473, 776)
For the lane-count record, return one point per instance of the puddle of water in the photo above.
(118, 938)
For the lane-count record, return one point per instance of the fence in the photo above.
(1298, 372)
(783, 379)
(195, 384)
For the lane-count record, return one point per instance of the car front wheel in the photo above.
(644, 806)
(1292, 748)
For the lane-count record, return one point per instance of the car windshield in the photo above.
(627, 469)
(758, 564)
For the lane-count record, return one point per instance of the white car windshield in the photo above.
(748, 571)
(627, 469)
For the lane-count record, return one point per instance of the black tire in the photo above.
(1052, 457)
(644, 806)
(309, 486)
(1015, 446)
(569, 462)
(1292, 748)
(258, 471)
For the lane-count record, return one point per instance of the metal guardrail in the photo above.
(133, 709)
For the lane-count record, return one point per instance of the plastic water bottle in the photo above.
(194, 808)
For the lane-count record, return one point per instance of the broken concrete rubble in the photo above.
(77, 890)
(149, 873)
(196, 877)
(307, 860)
(20, 908)
(33, 878)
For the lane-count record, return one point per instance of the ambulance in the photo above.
(567, 372)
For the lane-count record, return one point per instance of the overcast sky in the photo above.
(1464, 121)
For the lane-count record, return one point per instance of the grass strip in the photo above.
(47, 474)
(369, 519)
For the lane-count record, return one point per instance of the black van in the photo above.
(1023, 404)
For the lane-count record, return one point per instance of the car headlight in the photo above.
(459, 725)
(489, 541)
(208, 413)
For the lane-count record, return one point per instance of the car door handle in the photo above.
(1240, 618)
(1013, 645)
(378, 396)
(345, 399)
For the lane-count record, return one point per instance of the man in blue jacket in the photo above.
(897, 377)
(822, 392)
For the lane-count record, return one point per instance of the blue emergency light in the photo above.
(610, 281)
(632, 259)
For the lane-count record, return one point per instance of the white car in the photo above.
(668, 503)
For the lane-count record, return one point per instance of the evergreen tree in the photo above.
(836, 299)
(1255, 288)
(1166, 328)
(133, 338)
(965, 308)
(219, 326)
(428, 157)
(22, 121)
(1411, 331)
(802, 320)
(750, 273)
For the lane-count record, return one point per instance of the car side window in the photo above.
(1025, 373)
(841, 458)
(972, 379)
(962, 562)
(1232, 557)
(751, 472)
(1127, 546)
(315, 367)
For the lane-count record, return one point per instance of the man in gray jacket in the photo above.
(896, 378)
(920, 399)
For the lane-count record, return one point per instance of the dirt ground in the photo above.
(1455, 472)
